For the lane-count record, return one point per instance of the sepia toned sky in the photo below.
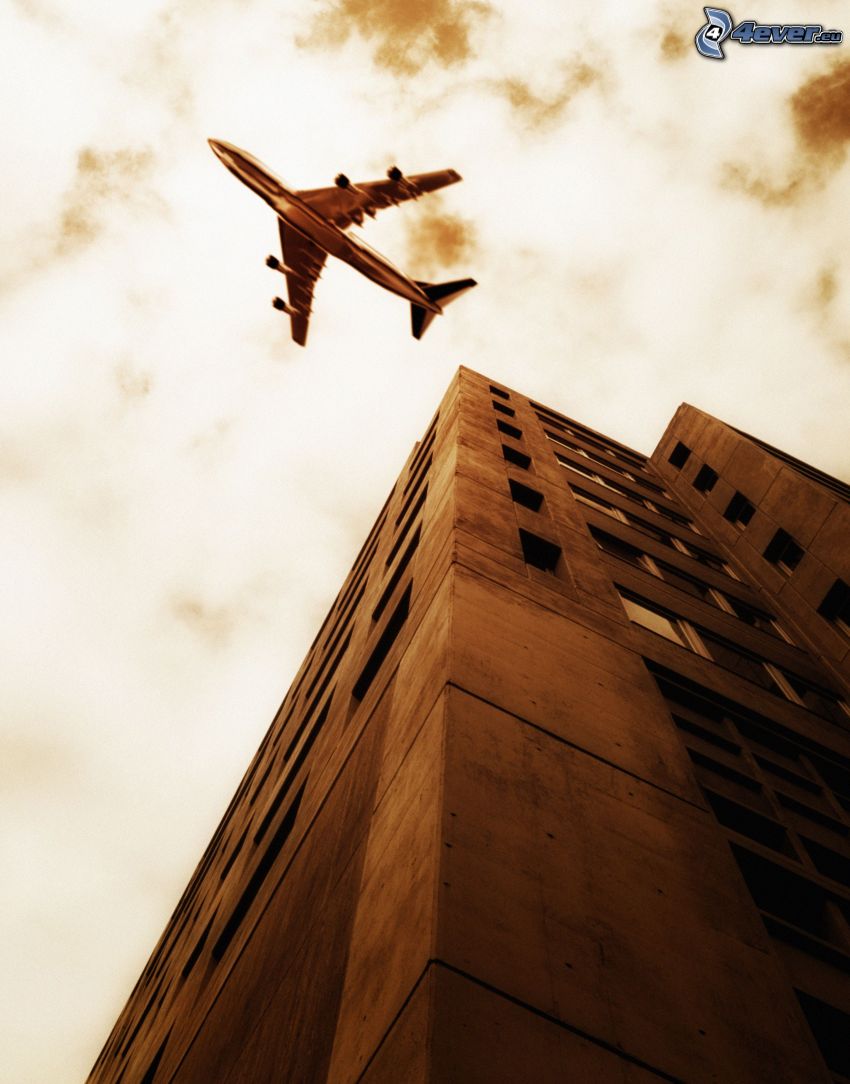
(182, 489)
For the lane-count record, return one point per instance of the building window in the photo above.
(759, 619)
(705, 479)
(498, 391)
(525, 495)
(738, 660)
(684, 582)
(830, 1027)
(668, 513)
(539, 552)
(517, 458)
(658, 620)
(784, 552)
(564, 443)
(586, 472)
(679, 456)
(624, 551)
(785, 896)
(508, 429)
(502, 409)
(814, 697)
(836, 606)
(382, 647)
(596, 502)
(739, 510)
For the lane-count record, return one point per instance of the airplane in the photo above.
(312, 225)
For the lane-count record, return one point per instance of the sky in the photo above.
(183, 489)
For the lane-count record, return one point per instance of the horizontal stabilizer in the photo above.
(442, 294)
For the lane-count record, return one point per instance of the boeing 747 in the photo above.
(313, 224)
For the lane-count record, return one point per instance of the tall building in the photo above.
(561, 791)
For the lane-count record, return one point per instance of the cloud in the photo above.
(740, 178)
(820, 117)
(213, 625)
(133, 383)
(436, 239)
(820, 110)
(541, 110)
(826, 288)
(101, 179)
(674, 45)
(31, 760)
(405, 37)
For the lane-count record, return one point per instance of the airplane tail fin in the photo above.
(443, 293)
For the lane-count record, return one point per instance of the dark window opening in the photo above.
(784, 894)
(679, 456)
(539, 552)
(271, 761)
(616, 547)
(674, 517)
(705, 479)
(525, 495)
(746, 822)
(420, 465)
(752, 615)
(652, 616)
(519, 459)
(836, 775)
(596, 502)
(783, 551)
(707, 735)
(804, 810)
(502, 409)
(830, 1027)
(234, 854)
(320, 692)
(817, 699)
(508, 429)
(828, 862)
(401, 567)
(707, 559)
(552, 421)
(291, 775)
(142, 1018)
(399, 542)
(739, 510)
(271, 853)
(498, 391)
(329, 659)
(778, 740)
(723, 770)
(412, 495)
(737, 660)
(683, 581)
(836, 605)
(198, 949)
(157, 1058)
(781, 772)
(382, 647)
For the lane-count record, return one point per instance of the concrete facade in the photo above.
(515, 820)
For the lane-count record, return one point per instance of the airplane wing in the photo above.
(304, 262)
(347, 204)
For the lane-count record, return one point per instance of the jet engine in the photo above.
(281, 306)
(273, 262)
(341, 181)
(394, 173)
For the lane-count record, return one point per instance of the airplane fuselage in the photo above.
(315, 227)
